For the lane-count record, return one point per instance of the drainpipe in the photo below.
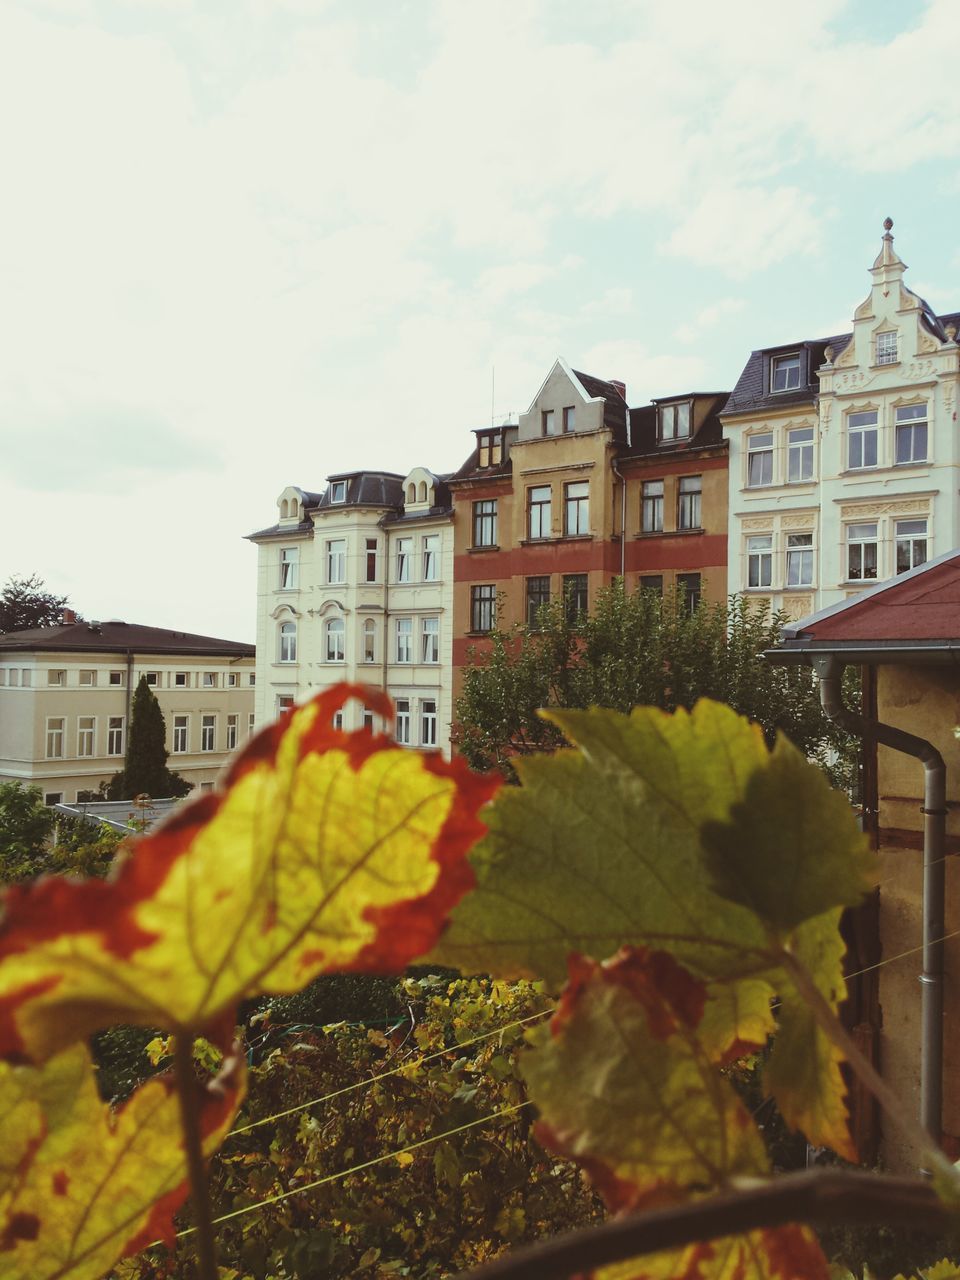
(129, 698)
(623, 513)
(830, 671)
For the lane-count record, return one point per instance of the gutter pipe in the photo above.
(623, 513)
(830, 670)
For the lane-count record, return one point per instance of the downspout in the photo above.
(386, 603)
(129, 700)
(623, 515)
(830, 670)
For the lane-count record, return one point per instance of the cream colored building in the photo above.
(844, 452)
(356, 583)
(66, 691)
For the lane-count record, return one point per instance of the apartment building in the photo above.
(356, 583)
(65, 695)
(844, 451)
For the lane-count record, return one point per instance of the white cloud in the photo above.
(699, 328)
(647, 374)
(739, 230)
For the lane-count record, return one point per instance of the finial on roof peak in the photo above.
(888, 224)
(887, 257)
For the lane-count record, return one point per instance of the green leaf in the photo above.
(790, 849)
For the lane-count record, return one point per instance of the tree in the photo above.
(636, 649)
(25, 604)
(145, 769)
(25, 828)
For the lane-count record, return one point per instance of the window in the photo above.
(912, 433)
(430, 640)
(911, 544)
(431, 557)
(862, 440)
(232, 730)
(86, 735)
(538, 595)
(367, 719)
(253, 678)
(538, 511)
(115, 735)
(14, 677)
(208, 733)
(209, 679)
(570, 418)
(422, 491)
(337, 560)
(576, 508)
(785, 372)
(181, 734)
(181, 679)
(675, 421)
(799, 559)
(404, 639)
(485, 523)
(760, 561)
(334, 649)
(403, 721)
(284, 703)
(3, 675)
(428, 723)
(25, 677)
(800, 455)
(688, 503)
(338, 491)
(861, 552)
(288, 642)
(251, 722)
(575, 595)
(369, 640)
(116, 678)
(651, 582)
(56, 677)
(53, 797)
(233, 679)
(483, 607)
(289, 568)
(760, 459)
(404, 555)
(338, 720)
(489, 449)
(55, 738)
(548, 423)
(152, 678)
(88, 679)
(689, 584)
(887, 347)
(651, 506)
(371, 560)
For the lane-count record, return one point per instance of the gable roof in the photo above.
(120, 637)
(614, 404)
(916, 614)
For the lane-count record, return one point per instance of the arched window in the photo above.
(335, 646)
(369, 640)
(294, 509)
(423, 491)
(288, 642)
(284, 509)
(411, 492)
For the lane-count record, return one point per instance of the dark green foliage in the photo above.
(145, 769)
(636, 649)
(120, 1055)
(83, 847)
(24, 604)
(26, 825)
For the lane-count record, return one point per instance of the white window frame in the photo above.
(208, 679)
(430, 639)
(181, 735)
(233, 730)
(576, 508)
(116, 728)
(368, 639)
(287, 642)
(402, 724)
(800, 447)
(404, 640)
(651, 506)
(799, 561)
(428, 722)
(116, 680)
(861, 542)
(910, 539)
(760, 561)
(760, 460)
(909, 426)
(886, 352)
(672, 424)
(371, 552)
(208, 732)
(56, 732)
(431, 557)
(334, 640)
(289, 568)
(336, 549)
(792, 364)
(56, 676)
(860, 431)
(338, 491)
(181, 679)
(86, 737)
(404, 558)
(87, 679)
(540, 528)
(689, 503)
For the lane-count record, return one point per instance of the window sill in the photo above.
(673, 533)
(885, 364)
(555, 538)
(480, 635)
(493, 546)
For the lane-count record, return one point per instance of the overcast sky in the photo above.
(247, 243)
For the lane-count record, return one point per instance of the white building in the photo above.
(844, 452)
(65, 695)
(356, 583)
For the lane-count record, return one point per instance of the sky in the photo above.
(251, 243)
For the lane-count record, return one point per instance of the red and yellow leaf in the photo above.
(776, 1253)
(323, 851)
(80, 1185)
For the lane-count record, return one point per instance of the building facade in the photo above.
(356, 583)
(844, 451)
(65, 695)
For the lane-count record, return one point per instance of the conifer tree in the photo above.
(145, 769)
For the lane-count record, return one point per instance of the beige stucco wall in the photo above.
(925, 701)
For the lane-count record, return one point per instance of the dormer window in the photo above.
(490, 446)
(785, 372)
(675, 421)
(338, 491)
(887, 347)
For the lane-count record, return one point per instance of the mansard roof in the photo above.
(365, 489)
(643, 427)
(752, 388)
(120, 637)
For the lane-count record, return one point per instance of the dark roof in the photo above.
(751, 391)
(365, 489)
(119, 637)
(643, 427)
(615, 406)
(470, 470)
(282, 531)
(442, 506)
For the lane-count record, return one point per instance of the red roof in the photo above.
(923, 605)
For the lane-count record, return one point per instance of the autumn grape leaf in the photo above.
(323, 851)
(775, 1253)
(81, 1185)
(624, 1085)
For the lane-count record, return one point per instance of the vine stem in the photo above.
(834, 1029)
(187, 1090)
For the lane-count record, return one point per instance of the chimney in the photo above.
(621, 387)
(69, 616)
